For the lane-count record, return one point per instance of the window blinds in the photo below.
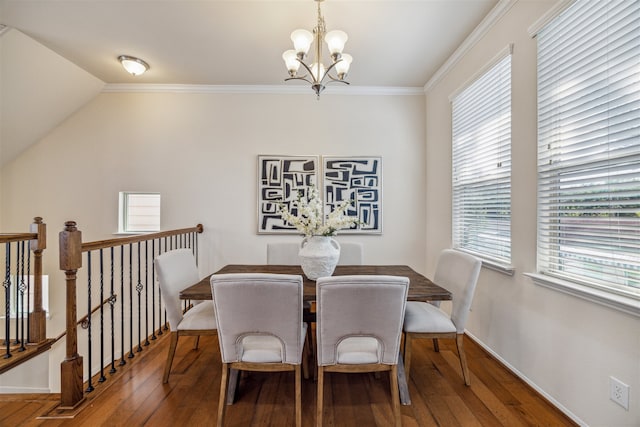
(481, 116)
(589, 145)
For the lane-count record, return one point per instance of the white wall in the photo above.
(38, 89)
(200, 152)
(565, 346)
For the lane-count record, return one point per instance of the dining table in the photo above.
(420, 289)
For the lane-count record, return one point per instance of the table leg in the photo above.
(403, 384)
(234, 380)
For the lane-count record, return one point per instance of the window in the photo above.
(481, 115)
(139, 212)
(589, 146)
(18, 306)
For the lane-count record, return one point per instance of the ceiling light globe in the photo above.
(134, 66)
(317, 71)
(291, 60)
(335, 41)
(342, 67)
(302, 40)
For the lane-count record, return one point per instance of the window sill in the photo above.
(133, 233)
(623, 303)
(507, 269)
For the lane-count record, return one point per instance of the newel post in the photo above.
(37, 318)
(71, 368)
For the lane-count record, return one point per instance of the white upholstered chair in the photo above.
(260, 327)
(351, 253)
(283, 253)
(359, 323)
(177, 270)
(458, 273)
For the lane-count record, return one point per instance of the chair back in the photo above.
(176, 270)
(258, 304)
(283, 253)
(360, 306)
(350, 253)
(458, 273)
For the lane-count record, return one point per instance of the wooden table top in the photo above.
(420, 288)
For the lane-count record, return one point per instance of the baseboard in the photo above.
(22, 390)
(524, 378)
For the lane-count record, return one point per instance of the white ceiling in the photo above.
(240, 42)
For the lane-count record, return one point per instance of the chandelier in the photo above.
(318, 75)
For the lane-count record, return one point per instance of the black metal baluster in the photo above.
(146, 292)
(153, 292)
(139, 291)
(112, 302)
(195, 240)
(160, 295)
(122, 359)
(17, 286)
(165, 327)
(28, 293)
(131, 355)
(22, 286)
(7, 295)
(88, 321)
(102, 377)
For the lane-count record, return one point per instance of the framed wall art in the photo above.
(280, 178)
(359, 179)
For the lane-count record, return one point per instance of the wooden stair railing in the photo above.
(121, 261)
(16, 297)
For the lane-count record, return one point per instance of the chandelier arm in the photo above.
(326, 73)
(299, 78)
(310, 72)
(333, 79)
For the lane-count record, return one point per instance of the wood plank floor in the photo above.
(137, 397)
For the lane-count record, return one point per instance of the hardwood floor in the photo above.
(137, 397)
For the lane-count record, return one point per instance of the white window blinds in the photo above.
(589, 145)
(139, 212)
(481, 115)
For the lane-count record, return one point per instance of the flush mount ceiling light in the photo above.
(134, 66)
(318, 73)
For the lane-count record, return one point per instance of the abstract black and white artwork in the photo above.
(358, 179)
(280, 178)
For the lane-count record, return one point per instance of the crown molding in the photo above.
(494, 16)
(257, 89)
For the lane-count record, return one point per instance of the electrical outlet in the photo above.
(619, 392)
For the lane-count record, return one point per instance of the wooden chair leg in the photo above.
(195, 346)
(172, 351)
(222, 401)
(395, 395)
(298, 397)
(407, 354)
(305, 356)
(436, 346)
(463, 359)
(320, 397)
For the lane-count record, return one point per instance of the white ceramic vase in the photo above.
(319, 256)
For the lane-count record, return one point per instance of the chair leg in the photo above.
(195, 346)
(436, 346)
(222, 401)
(172, 351)
(395, 395)
(298, 397)
(305, 357)
(463, 359)
(407, 354)
(320, 397)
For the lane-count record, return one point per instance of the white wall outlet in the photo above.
(619, 392)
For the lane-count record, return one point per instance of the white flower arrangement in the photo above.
(309, 218)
